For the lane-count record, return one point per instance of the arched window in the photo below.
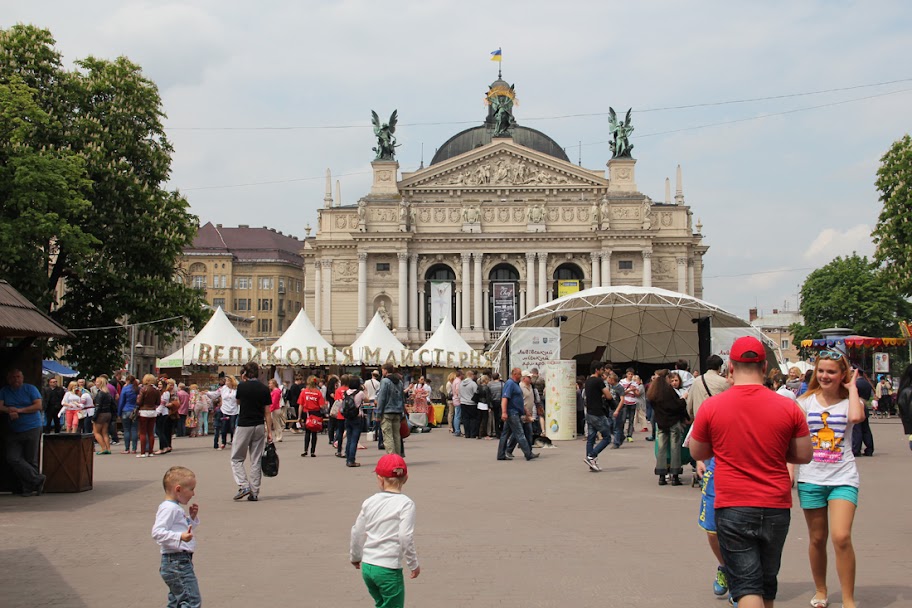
(197, 268)
(439, 279)
(568, 278)
(503, 297)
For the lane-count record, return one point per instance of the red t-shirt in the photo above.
(338, 396)
(311, 400)
(750, 428)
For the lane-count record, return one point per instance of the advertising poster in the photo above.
(441, 302)
(565, 288)
(881, 363)
(534, 346)
(504, 305)
(560, 400)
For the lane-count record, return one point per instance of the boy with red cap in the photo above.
(383, 535)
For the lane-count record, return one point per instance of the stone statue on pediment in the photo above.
(384, 315)
(403, 215)
(536, 213)
(647, 210)
(362, 215)
(594, 214)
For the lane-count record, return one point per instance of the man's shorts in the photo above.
(751, 539)
(813, 496)
(707, 519)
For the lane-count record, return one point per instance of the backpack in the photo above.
(349, 408)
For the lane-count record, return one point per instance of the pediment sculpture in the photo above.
(502, 172)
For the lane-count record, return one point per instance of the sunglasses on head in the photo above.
(831, 355)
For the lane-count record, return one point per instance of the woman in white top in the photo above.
(72, 404)
(828, 485)
(229, 409)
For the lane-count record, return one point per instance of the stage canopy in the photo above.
(302, 344)
(218, 343)
(632, 323)
(377, 345)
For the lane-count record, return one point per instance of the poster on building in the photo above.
(560, 400)
(565, 288)
(441, 303)
(533, 346)
(881, 363)
(504, 305)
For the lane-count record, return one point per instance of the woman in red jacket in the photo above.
(311, 401)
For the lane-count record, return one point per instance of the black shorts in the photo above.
(102, 419)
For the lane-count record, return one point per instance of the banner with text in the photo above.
(565, 288)
(560, 400)
(534, 346)
(504, 305)
(441, 302)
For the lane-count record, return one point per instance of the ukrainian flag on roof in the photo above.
(496, 55)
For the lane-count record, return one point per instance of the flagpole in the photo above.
(499, 63)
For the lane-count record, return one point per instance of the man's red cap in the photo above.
(747, 349)
(391, 465)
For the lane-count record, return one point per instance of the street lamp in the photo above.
(134, 346)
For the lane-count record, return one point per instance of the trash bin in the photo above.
(68, 462)
(439, 411)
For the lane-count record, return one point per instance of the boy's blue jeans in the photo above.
(183, 588)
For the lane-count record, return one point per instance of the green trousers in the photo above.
(385, 585)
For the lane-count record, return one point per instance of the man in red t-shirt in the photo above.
(752, 432)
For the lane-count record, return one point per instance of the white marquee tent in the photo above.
(446, 348)
(377, 344)
(312, 348)
(633, 323)
(217, 343)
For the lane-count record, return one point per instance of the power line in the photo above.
(751, 274)
(126, 325)
(556, 117)
(277, 181)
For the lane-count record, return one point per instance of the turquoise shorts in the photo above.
(813, 496)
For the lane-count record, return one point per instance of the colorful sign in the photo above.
(534, 346)
(504, 305)
(560, 400)
(441, 302)
(881, 363)
(565, 288)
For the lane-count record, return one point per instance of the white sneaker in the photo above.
(597, 467)
(591, 462)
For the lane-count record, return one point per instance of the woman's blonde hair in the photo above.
(230, 382)
(451, 377)
(148, 379)
(72, 386)
(101, 383)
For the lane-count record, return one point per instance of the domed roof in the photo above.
(476, 137)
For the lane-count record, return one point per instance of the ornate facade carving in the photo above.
(501, 171)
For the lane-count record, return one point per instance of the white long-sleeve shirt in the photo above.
(170, 522)
(384, 532)
(229, 405)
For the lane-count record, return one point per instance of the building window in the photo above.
(625, 264)
(243, 283)
(298, 286)
(264, 326)
(784, 344)
(216, 302)
(264, 304)
(223, 283)
(266, 282)
(242, 304)
(281, 285)
(199, 282)
(281, 305)
(383, 266)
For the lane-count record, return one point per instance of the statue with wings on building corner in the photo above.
(386, 142)
(620, 145)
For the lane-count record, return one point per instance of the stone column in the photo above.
(485, 311)
(690, 277)
(466, 292)
(421, 325)
(647, 268)
(606, 269)
(402, 305)
(457, 322)
(543, 291)
(327, 295)
(530, 281)
(476, 292)
(362, 291)
(318, 295)
(413, 292)
(521, 296)
(596, 269)
(682, 275)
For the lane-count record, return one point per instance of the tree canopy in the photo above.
(850, 292)
(893, 233)
(83, 163)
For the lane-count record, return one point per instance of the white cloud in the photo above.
(831, 242)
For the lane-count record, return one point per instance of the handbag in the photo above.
(270, 462)
(404, 430)
(314, 424)
(334, 410)
(173, 406)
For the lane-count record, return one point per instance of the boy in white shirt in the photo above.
(383, 535)
(173, 531)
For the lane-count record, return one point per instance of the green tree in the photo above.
(893, 233)
(103, 223)
(850, 292)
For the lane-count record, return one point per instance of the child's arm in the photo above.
(407, 538)
(358, 536)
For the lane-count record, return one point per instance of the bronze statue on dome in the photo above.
(386, 142)
(620, 145)
(502, 99)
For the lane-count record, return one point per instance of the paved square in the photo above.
(513, 534)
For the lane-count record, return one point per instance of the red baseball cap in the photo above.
(391, 465)
(747, 349)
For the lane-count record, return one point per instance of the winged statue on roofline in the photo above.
(620, 144)
(386, 142)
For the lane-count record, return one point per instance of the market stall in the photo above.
(302, 344)
(377, 345)
(218, 343)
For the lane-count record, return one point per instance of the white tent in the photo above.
(632, 323)
(302, 344)
(446, 348)
(217, 343)
(803, 366)
(376, 345)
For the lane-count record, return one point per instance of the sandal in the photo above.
(819, 603)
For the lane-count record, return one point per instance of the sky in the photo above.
(263, 97)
